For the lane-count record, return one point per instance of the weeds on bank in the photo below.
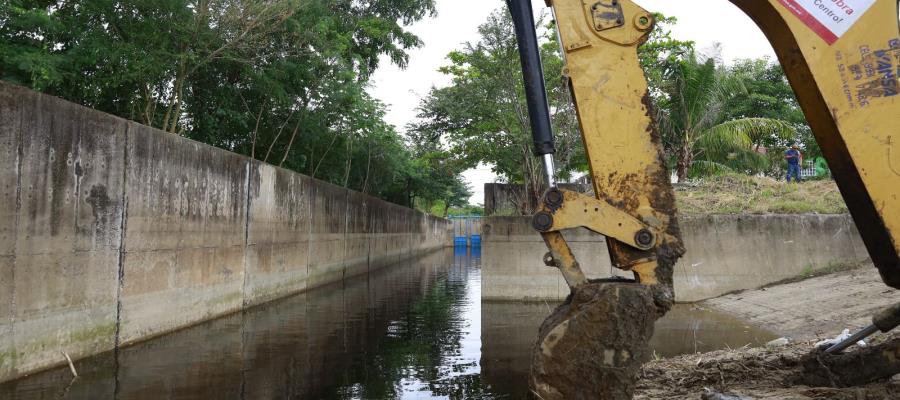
(742, 194)
(811, 271)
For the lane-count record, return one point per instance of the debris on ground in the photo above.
(858, 366)
(845, 334)
(714, 395)
(754, 373)
(791, 367)
(783, 341)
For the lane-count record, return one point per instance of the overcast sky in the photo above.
(703, 21)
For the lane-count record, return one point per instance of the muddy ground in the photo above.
(807, 311)
(755, 373)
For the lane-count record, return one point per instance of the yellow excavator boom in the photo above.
(842, 58)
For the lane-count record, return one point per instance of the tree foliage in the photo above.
(700, 135)
(769, 95)
(283, 81)
(482, 116)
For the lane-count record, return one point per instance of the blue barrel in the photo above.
(475, 240)
(460, 241)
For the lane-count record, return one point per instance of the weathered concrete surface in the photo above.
(112, 232)
(728, 253)
(278, 235)
(302, 346)
(504, 199)
(185, 232)
(724, 253)
(59, 247)
(824, 307)
(512, 260)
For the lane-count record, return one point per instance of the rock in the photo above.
(780, 342)
(714, 395)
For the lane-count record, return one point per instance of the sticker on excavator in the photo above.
(830, 19)
(873, 76)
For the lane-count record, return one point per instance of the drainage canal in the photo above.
(415, 330)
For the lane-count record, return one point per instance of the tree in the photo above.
(769, 95)
(482, 116)
(457, 195)
(694, 125)
(283, 81)
(661, 53)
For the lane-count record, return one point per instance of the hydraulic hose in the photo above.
(535, 89)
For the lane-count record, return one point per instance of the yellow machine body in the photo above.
(847, 85)
(844, 71)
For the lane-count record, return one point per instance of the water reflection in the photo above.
(509, 331)
(415, 330)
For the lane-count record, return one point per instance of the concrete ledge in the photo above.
(724, 253)
(112, 232)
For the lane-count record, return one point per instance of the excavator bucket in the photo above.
(593, 345)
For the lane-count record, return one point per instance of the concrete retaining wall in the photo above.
(112, 232)
(505, 199)
(724, 253)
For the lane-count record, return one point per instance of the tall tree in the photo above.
(695, 127)
(769, 95)
(661, 53)
(482, 116)
(283, 81)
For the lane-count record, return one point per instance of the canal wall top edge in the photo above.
(112, 231)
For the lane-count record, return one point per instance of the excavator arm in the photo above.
(842, 57)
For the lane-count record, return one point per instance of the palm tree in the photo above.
(692, 125)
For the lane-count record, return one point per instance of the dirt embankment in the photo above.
(742, 194)
(806, 311)
(749, 373)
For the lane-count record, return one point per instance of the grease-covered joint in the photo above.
(563, 209)
(644, 238)
(554, 199)
(542, 221)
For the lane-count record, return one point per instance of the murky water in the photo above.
(416, 330)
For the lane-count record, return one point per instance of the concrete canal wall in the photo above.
(724, 253)
(112, 232)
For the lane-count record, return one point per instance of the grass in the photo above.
(742, 194)
(810, 272)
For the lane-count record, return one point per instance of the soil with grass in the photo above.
(742, 194)
(807, 309)
(750, 373)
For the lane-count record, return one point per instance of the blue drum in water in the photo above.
(475, 240)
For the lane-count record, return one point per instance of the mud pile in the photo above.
(593, 345)
(752, 373)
